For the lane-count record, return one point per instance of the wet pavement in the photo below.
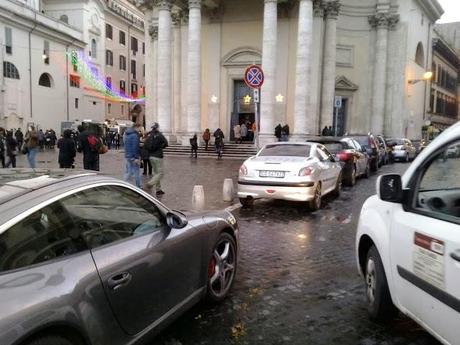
(297, 281)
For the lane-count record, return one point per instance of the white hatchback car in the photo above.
(290, 171)
(408, 241)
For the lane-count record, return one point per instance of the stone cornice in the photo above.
(332, 9)
(432, 9)
(384, 20)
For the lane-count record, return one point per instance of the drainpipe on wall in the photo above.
(427, 68)
(30, 66)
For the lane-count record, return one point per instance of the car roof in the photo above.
(325, 140)
(288, 143)
(17, 182)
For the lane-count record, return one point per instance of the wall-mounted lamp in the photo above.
(426, 76)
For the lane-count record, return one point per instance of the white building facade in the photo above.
(42, 83)
(310, 50)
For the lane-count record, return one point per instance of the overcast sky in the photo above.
(451, 11)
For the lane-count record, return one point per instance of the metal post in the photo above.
(256, 132)
(336, 120)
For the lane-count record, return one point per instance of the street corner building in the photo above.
(375, 54)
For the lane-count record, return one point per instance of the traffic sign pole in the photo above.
(254, 78)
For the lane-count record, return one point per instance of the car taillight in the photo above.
(344, 156)
(307, 171)
(243, 170)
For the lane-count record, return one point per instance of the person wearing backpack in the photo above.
(89, 144)
(155, 144)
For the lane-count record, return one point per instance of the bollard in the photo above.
(198, 198)
(228, 189)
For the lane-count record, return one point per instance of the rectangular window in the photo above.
(108, 31)
(143, 48)
(109, 58)
(122, 86)
(46, 52)
(143, 70)
(134, 46)
(109, 108)
(122, 110)
(134, 90)
(108, 82)
(9, 40)
(133, 69)
(76, 103)
(122, 38)
(122, 63)
(74, 81)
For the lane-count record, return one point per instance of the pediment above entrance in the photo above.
(343, 83)
(242, 57)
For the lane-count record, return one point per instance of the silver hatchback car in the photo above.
(88, 259)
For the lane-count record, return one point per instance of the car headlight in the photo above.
(231, 219)
(243, 170)
(307, 171)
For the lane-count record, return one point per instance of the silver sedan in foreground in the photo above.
(290, 171)
(88, 259)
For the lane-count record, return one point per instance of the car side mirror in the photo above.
(176, 220)
(389, 188)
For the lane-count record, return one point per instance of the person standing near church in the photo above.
(155, 144)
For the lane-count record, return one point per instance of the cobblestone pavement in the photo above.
(297, 281)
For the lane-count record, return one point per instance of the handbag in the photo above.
(103, 149)
(25, 150)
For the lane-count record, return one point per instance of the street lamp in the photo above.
(426, 76)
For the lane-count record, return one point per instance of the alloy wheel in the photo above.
(370, 280)
(221, 268)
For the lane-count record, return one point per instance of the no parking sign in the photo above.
(254, 76)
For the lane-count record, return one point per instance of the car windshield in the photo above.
(363, 141)
(286, 150)
(336, 147)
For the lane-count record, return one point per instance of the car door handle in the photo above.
(119, 280)
(455, 255)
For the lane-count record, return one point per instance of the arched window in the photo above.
(93, 51)
(64, 19)
(420, 55)
(10, 70)
(45, 80)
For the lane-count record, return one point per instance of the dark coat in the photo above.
(155, 143)
(11, 146)
(67, 152)
(89, 155)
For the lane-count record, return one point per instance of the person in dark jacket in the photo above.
(155, 144)
(19, 138)
(2, 146)
(325, 132)
(145, 157)
(67, 151)
(132, 155)
(194, 146)
(89, 144)
(11, 149)
(219, 142)
(278, 130)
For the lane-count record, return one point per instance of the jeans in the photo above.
(132, 169)
(31, 154)
(157, 165)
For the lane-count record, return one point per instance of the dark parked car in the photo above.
(370, 144)
(354, 161)
(88, 259)
(383, 150)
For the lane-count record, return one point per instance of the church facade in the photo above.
(373, 54)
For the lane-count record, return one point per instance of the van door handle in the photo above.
(455, 255)
(119, 280)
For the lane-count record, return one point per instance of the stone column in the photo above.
(150, 76)
(177, 56)
(304, 120)
(194, 67)
(329, 61)
(269, 51)
(382, 22)
(317, 61)
(164, 66)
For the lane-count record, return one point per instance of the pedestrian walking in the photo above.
(11, 149)
(155, 144)
(145, 157)
(194, 146)
(19, 138)
(2, 146)
(41, 139)
(206, 138)
(31, 146)
(132, 154)
(325, 132)
(253, 131)
(67, 150)
(237, 133)
(244, 132)
(278, 130)
(219, 143)
(90, 145)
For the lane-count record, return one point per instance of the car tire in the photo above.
(247, 202)
(379, 303)
(222, 267)
(338, 187)
(52, 340)
(315, 204)
(351, 180)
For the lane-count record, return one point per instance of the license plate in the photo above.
(268, 173)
